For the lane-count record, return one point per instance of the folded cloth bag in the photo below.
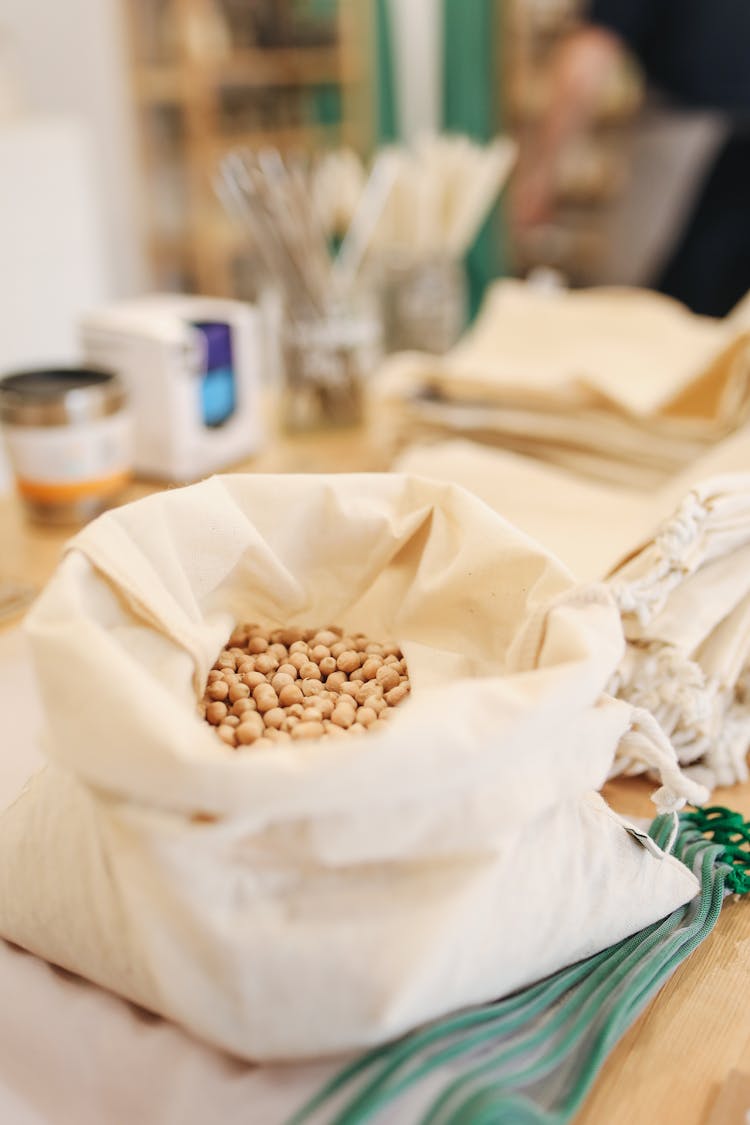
(679, 566)
(619, 384)
(290, 902)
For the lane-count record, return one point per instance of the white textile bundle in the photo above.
(685, 605)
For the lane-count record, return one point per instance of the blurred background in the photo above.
(121, 122)
(114, 115)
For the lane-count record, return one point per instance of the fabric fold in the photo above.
(618, 385)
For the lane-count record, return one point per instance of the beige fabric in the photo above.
(679, 561)
(331, 895)
(589, 525)
(622, 385)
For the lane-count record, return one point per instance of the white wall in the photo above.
(70, 56)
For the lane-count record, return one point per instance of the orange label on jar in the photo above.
(66, 492)
(63, 464)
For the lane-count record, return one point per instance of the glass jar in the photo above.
(326, 361)
(424, 302)
(68, 437)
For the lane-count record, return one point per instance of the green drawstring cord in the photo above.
(531, 1059)
(733, 833)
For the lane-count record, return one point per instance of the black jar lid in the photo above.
(59, 396)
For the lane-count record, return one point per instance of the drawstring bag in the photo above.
(533, 1058)
(679, 570)
(685, 604)
(303, 900)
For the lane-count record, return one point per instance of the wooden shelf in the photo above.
(202, 88)
(305, 66)
(159, 83)
(300, 137)
(299, 66)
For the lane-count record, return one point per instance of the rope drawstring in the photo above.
(646, 743)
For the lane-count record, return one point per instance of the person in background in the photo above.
(696, 54)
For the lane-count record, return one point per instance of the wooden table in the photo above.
(672, 1065)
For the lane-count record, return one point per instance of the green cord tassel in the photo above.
(532, 1058)
(733, 833)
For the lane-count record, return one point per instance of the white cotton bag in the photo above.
(313, 898)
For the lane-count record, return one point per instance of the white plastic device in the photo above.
(192, 368)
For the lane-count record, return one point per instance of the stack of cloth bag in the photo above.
(620, 385)
(676, 555)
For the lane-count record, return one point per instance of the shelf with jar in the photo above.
(211, 75)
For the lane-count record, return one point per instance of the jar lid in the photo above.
(59, 396)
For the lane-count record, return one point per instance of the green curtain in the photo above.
(471, 39)
(470, 55)
(385, 93)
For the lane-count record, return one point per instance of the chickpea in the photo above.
(370, 667)
(250, 729)
(270, 686)
(310, 671)
(242, 705)
(289, 694)
(342, 716)
(308, 730)
(238, 690)
(335, 681)
(395, 695)
(265, 698)
(218, 690)
(387, 677)
(325, 637)
(348, 661)
(216, 712)
(280, 680)
(227, 734)
(327, 666)
(275, 717)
